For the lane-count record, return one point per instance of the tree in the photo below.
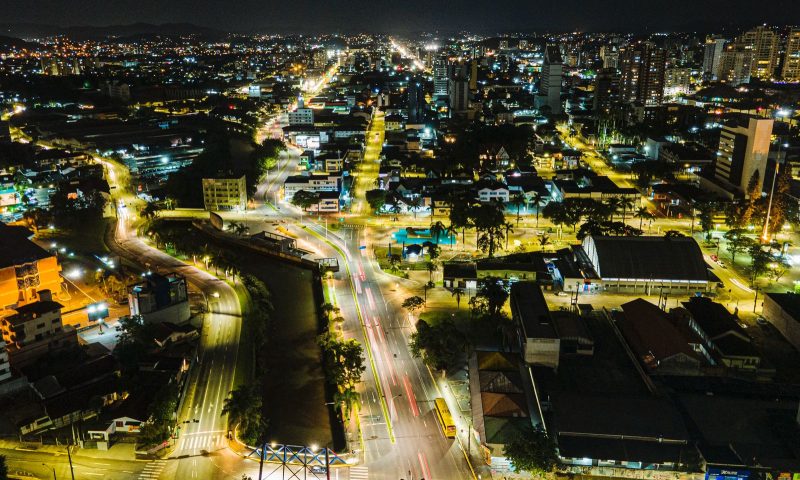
(395, 260)
(489, 221)
(376, 199)
(642, 213)
(493, 289)
(673, 234)
(3, 468)
(327, 309)
(533, 451)
(543, 240)
(458, 292)
(461, 214)
(432, 267)
(613, 204)
(537, 200)
(626, 204)
(706, 210)
(437, 229)
(439, 346)
(412, 304)
(518, 200)
(737, 242)
(759, 261)
(753, 195)
(304, 199)
(780, 200)
(243, 408)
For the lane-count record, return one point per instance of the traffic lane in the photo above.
(84, 467)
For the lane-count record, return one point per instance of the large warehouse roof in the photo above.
(652, 258)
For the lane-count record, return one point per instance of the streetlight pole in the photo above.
(51, 468)
(69, 457)
(765, 234)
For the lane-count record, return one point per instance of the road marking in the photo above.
(359, 473)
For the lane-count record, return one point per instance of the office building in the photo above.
(791, 59)
(763, 42)
(712, 56)
(742, 153)
(459, 94)
(225, 193)
(441, 78)
(26, 269)
(735, 65)
(642, 79)
(160, 298)
(416, 101)
(550, 81)
(606, 90)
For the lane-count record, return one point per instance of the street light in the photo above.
(51, 468)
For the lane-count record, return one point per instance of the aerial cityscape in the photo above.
(412, 241)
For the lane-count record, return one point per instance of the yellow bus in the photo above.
(445, 419)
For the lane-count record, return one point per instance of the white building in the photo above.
(225, 193)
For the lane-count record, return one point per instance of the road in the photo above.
(43, 464)
(212, 375)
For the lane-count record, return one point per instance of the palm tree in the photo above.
(626, 203)
(241, 403)
(348, 399)
(458, 292)
(518, 200)
(414, 203)
(537, 200)
(436, 231)
(544, 240)
(432, 266)
(613, 204)
(642, 213)
(451, 231)
(509, 228)
(394, 206)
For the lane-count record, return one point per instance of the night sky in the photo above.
(310, 16)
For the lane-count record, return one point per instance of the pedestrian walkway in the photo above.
(359, 473)
(192, 443)
(153, 470)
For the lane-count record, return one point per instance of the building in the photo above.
(225, 193)
(742, 154)
(25, 269)
(550, 81)
(677, 81)
(34, 330)
(763, 42)
(415, 101)
(782, 310)
(459, 94)
(735, 65)
(160, 298)
(539, 341)
(606, 90)
(649, 265)
(642, 79)
(712, 56)
(441, 78)
(301, 115)
(791, 59)
(330, 182)
(610, 56)
(5, 364)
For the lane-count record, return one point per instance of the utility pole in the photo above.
(69, 457)
(327, 464)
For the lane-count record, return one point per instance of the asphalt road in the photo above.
(41, 464)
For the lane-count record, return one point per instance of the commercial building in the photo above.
(539, 341)
(301, 115)
(160, 298)
(791, 59)
(550, 80)
(26, 269)
(648, 265)
(225, 193)
(441, 78)
(331, 182)
(742, 153)
(642, 79)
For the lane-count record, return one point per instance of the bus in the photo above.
(445, 419)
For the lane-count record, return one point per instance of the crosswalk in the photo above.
(152, 470)
(359, 473)
(202, 441)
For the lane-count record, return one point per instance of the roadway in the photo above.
(45, 464)
(212, 375)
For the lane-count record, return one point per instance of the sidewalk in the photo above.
(119, 451)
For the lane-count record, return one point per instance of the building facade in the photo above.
(743, 152)
(791, 59)
(643, 67)
(225, 193)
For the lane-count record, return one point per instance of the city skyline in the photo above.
(307, 16)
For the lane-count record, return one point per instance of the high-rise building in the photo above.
(441, 78)
(610, 56)
(677, 80)
(743, 152)
(606, 90)
(713, 56)
(504, 44)
(791, 59)
(763, 42)
(459, 94)
(416, 101)
(473, 75)
(735, 65)
(642, 79)
(550, 80)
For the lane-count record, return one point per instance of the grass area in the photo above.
(433, 317)
(88, 238)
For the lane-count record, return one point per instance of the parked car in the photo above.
(762, 321)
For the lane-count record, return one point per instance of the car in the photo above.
(317, 469)
(561, 293)
(762, 321)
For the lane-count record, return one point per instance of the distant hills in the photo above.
(89, 32)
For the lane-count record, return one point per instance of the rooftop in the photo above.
(16, 248)
(648, 257)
